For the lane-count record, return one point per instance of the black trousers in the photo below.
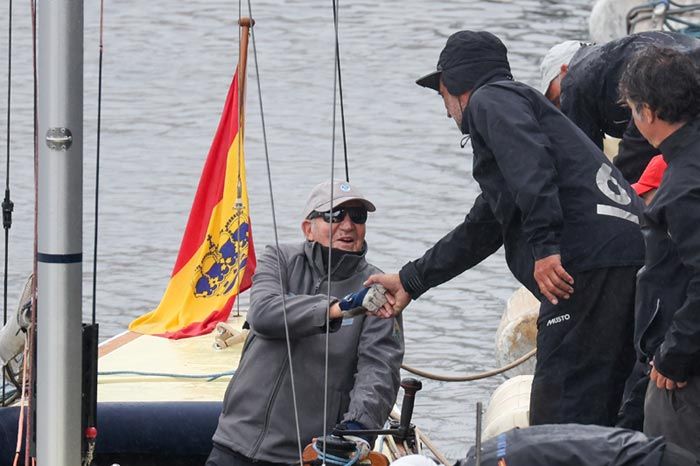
(632, 411)
(585, 350)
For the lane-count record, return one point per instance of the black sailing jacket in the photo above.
(668, 287)
(546, 189)
(590, 97)
(573, 445)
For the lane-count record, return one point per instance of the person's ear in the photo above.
(563, 70)
(306, 229)
(464, 99)
(647, 114)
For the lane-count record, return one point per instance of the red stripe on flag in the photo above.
(211, 183)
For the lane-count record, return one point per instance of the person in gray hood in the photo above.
(257, 424)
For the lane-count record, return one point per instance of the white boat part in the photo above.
(517, 332)
(608, 19)
(12, 335)
(509, 406)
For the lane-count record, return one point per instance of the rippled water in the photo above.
(167, 67)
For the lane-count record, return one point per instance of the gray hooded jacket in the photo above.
(365, 355)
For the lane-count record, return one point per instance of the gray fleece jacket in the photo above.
(365, 354)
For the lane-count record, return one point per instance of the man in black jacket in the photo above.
(662, 87)
(566, 217)
(583, 80)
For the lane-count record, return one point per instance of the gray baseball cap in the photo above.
(320, 197)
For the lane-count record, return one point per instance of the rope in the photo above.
(209, 377)
(472, 377)
(31, 335)
(274, 228)
(97, 167)
(336, 460)
(7, 205)
(22, 403)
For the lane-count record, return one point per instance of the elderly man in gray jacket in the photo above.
(257, 425)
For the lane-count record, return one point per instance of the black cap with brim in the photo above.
(431, 80)
(467, 57)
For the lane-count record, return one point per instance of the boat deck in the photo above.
(131, 352)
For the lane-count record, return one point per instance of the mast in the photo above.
(60, 211)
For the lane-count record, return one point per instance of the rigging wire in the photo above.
(7, 205)
(336, 74)
(340, 90)
(274, 228)
(97, 166)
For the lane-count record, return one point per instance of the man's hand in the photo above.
(397, 297)
(553, 280)
(662, 381)
(369, 301)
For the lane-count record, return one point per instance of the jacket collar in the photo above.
(675, 144)
(494, 76)
(347, 266)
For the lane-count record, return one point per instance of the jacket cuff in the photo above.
(540, 251)
(676, 370)
(364, 419)
(334, 324)
(411, 280)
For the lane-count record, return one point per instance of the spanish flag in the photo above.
(216, 259)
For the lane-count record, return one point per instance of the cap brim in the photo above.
(431, 80)
(326, 206)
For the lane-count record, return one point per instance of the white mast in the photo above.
(60, 246)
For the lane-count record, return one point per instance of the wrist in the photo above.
(334, 312)
(411, 280)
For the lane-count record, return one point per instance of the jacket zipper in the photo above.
(651, 321)
(278, 383)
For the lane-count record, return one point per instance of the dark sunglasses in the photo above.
(358, 215)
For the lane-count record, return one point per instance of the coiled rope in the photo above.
(335, 460)
(470, 377)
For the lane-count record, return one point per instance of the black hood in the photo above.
(467, 57)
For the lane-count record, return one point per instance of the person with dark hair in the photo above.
(662, 88)
(568, 220)
(582, 79)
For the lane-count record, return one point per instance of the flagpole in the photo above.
(245, 23)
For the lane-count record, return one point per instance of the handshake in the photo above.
(384, 297)
(366, 301)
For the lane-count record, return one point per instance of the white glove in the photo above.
(374, 299)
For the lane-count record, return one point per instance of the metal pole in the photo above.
(60, 212)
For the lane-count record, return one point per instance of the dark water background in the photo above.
(167, 67)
